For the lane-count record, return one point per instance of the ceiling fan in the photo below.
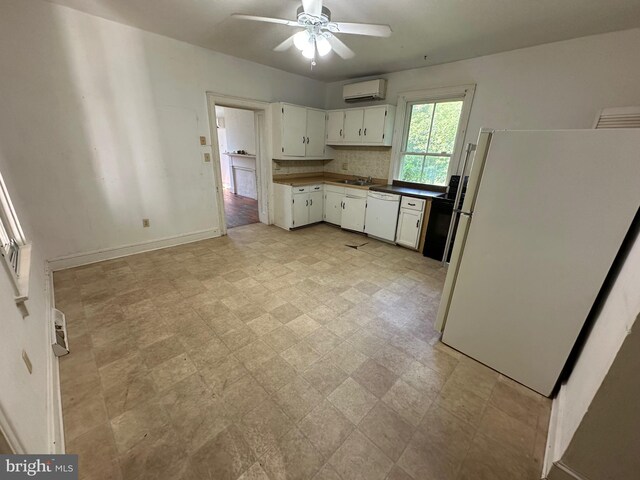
(318, 35)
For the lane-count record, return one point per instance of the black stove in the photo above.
(440, 218)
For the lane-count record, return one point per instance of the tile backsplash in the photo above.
(360, 161)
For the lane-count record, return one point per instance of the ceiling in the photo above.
(443, 30)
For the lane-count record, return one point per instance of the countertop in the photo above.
(315, 180)
(406, 191)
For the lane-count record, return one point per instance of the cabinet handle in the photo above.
(340, 132)
(307, 140)
(365, 132)
(411, 204)
(304, 140)
(360, 132)
(307, 204)
(417, 223)
(311, 202)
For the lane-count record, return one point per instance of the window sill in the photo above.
(21, 278)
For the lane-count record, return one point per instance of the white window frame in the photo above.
(10, 229)
(401, 127)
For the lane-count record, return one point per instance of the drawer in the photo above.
(300, 189)
(413, 203)
(315, 188)
(356, 192)
(334, 189)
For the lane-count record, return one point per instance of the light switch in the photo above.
(203, 140)
(207, 157)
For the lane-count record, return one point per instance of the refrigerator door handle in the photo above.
(447, 246)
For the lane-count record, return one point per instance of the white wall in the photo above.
(554, 86)
(241, 130)
(610, 329)
(100, 124)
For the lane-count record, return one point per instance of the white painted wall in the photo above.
(611, 327)
(241, 130)
(554, 86)
(100, 124)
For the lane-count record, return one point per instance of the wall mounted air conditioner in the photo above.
(365, 91)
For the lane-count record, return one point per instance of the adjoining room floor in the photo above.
(279, 355)
(239, 210)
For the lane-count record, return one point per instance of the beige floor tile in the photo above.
(323, 340)
(324, 376)
(297, 398)
(327, 472)
(237, 338)
(359, 459)
(374, 377)
(141, 422)
(254, 473)
(161, 351)
(293, 458)
(408, 402)
(326, 428)
(224, 374)
(96, 450)
(462, 402)
(393, 359)
(255, 354)
(517, 401)
(303, 325)
(342, 327)
(424, 379)
(397, 473)
(387, 430)
(322, 314)
(126, 395)
(172, 371)
(353, 400)
(366, 343)
(224, 457)
(281, 338)
(264, 324)
(264, 426)
(507, 430)
(243, 396)
(274, 374)
(300, 356)
(346, 357)
(285, 313)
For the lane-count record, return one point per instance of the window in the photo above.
(13, 247)
(432, 134)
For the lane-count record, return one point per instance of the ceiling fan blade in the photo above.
(280, 21)
(340, 48)
(370, 29)
(312, 7)
(286, 45)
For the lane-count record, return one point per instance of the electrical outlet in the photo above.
(145, 223)
(207, 157)
(203, 140)
(27, 361)
(345, 166)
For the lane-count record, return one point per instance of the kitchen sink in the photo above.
(360, 183)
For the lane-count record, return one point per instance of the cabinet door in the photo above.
(333, 207)
(300, 209)
(353, 213)
(335, 126)
(373, 125)
(294, 130)
(353, 119)
(316, 124)
(408, 233)
(316, 207)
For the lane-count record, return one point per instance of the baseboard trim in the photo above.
(55, 427)
(79, 259)
(552, 453)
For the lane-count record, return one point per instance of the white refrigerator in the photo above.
(544, 215)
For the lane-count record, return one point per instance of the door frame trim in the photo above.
(264, 169)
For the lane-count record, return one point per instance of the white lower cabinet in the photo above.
(353, 209)
(410, 222)
(297, 206)
(333, 200)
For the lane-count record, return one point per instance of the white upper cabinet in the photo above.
(353, 120)
(294, 130)
(315, 132)
(362, 126)
(374, 122)
(335, 126)
(298, 132)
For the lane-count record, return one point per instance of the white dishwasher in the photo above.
(382, 215)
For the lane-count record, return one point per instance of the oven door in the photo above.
(438, 228)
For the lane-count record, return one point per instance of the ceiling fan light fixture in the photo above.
(323, 45)
(301, 40)
(309, 51)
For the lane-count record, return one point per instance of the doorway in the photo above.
(240, 132)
